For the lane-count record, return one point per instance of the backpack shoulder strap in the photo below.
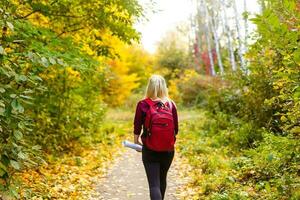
(149, 101)
(147, 119)
(170, 104)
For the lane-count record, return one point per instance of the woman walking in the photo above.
(156, 114)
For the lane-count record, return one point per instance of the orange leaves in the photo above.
(122, 80)
(74, 174)
(68, 177)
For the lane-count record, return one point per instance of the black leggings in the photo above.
(156, 166)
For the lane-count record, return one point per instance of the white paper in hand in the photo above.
(132, 145)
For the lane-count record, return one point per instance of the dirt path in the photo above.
(127, 180)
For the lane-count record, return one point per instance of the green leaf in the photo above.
(36, 78)
(14, 192)
(296, 55)
(61, 62)
(52, 61)
(270, 157)
(13, 95)
(22, 155)
(2, 90)
(2, 166)
(2, 172)
(21, 78)
(268, 187)
(2, 51)
(231, 179)
(10, 26)
(28, 91)
(15, 164)
(2, 111)
(44, 62)
(21, 125)
(26, 97)
(36, 147)
(297, 93)
(18, 135)
(17, 106)
(2, 104)
(5, 160)
(30, 55)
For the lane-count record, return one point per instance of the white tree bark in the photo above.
(198, 33)
(240, 49)
(263, 6)
(246, 25)
(207, 36)
(216, 40)
(191, 37)
(228, 35)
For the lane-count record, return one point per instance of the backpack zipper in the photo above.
(163, 124)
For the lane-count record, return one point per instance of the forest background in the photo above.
(64, 64)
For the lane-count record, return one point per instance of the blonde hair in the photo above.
(157, 88)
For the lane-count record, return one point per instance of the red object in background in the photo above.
(197, 53)
(206, 61)
(197, 56)
(204, 56)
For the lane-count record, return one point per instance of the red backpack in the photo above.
(159, 125)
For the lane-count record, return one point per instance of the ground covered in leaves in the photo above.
(126, 178)
(74, 174)
(88, 171)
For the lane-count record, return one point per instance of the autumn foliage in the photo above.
(63, 64)
(58, 59)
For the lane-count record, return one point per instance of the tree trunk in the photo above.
(246, 24)
(199, 34)
(207, 36)
(263, 5)
(216, 40)
(229, 39)
(240, 49)
(191, 39)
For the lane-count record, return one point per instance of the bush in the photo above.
(50, 95)
(272, 167)
(192, 88)
(236, 160)
(248, 147)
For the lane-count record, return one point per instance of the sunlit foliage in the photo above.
(53, 77)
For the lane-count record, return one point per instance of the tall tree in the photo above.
(245, 15)
(228, 36)
(81, 16)
(263, 5)
(199, 43)
(208, 36)
(239, 38)
(171, 52)
(212, 23)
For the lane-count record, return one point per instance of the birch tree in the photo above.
(212, 25)
(192, 37)
(239, 38)
(245, 24)
(207, 36)
(228, 35)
